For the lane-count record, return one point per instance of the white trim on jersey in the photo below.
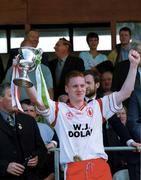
(80, 131)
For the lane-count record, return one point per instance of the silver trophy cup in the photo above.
(26, 60)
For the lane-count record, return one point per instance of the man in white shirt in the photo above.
(79, 125)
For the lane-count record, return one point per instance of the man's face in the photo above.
(29, 109)
(6, 102)
(106, 81)
(90, 86)
(124, 37)
(93, 43)
(122, 115)
(60, 48)
(33, 37)
(76, 89)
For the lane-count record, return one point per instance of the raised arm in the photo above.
(128, 85)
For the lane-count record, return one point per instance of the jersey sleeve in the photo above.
(109, 106)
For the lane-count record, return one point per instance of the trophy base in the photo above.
(23, 82)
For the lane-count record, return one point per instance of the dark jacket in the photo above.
(71, 63)
(134, 115)
(134, 126)
(119, 76)
(18, 143)
(120, 73)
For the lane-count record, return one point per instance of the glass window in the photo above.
(79, 38)
(17, 36)
(3, 41)
(49, 37)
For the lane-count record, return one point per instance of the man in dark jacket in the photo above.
(134, 126)
(63, 64)
(22, 150)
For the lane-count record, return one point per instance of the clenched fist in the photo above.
(134, 57)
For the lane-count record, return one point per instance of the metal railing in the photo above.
(115, 148)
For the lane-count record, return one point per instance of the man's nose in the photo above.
(79, 88)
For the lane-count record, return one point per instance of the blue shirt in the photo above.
(90, 61)
(46, 132)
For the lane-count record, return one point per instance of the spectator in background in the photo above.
(105, 69)
(45, 70)
(22, 150)
(46, 131)
(122, 115)
(63, 64)
(92, 79)
(121, 70)
(121, 51)
(117, 134)
(106, 83)
(114, 132)
(93, 57)
(33, 37)
(134, 126)
(49, 137)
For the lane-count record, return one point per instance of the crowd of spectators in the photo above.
(103, 75)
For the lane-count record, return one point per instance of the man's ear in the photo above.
(97, 85)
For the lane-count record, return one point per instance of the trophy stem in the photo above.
(23, 81)
(24, 73)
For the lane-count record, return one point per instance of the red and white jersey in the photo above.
(80, 130)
